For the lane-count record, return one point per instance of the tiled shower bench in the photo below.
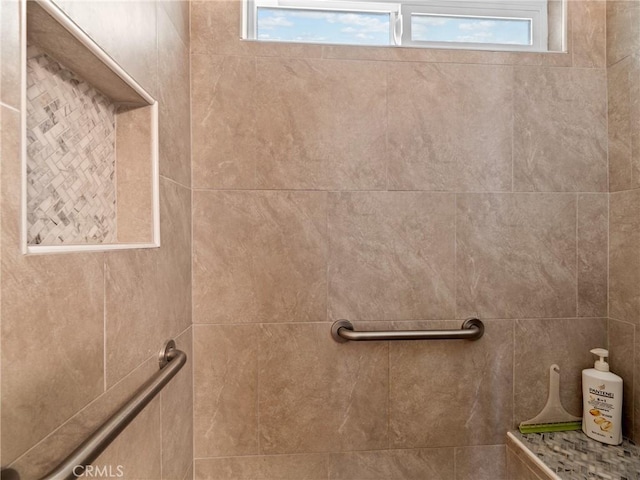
(569, 456)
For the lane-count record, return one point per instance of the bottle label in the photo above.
(600, 412)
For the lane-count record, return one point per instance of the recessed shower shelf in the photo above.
(90, 179)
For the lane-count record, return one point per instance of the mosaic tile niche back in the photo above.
(71, 168)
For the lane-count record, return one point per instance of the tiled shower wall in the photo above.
(392, 187)
(623, 71)
(80, 332)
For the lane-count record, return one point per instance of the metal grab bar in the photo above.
(171, 361)
(342, 331)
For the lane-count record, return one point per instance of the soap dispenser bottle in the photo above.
(602, 401)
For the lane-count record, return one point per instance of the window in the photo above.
(476, 24)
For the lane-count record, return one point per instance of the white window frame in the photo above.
(250, 12)
(401, 12)
(533, 10)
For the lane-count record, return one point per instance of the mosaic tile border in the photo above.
(71, 170)
(574, 456)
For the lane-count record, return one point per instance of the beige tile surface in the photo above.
(174, 99)
(391, 256)
(451, 393)
(47, 454)
(173, 280)
(321, 124)
(225, 378)
(636, 391)
(317, 395)
(259, 256)
(624, 256)
(621, 361)
(176, 410)
(589, 32)
(148, 291)
(539, 343)
(178, 12)
(486, 462)
(10, 53)
(516, 255)
(130, 311)
(224, 124)
(623, 29)
(125, 30)
(449, 127)
(433, 463)
(266, 467)
(623, 87)
(517, 469)
(134, 173)
(216, 29)
(593, 238)
(52, 341)
(136, 463)
(560, 130)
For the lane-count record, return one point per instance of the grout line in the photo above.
(104, 322)
(14, 109)
(577, 285)
(169, 179)
(437, 192)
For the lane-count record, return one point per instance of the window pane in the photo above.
(495, 30)
(297, 25)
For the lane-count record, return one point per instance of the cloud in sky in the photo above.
(324, 27)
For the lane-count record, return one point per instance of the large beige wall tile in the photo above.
(432, 463)
(49, 452)
(321, 124)
(136, 463)
(624, 123)
(126, 30)
(392, 255)
(259, 257)
(312, 466)
(225, 378)
(518, 469)
(52, 341)
(593, 238)
(451, 393)
(216, 29)
(130, 311)
(176, 402)
(636, 391)
(148, 291)
(481, 463)
(10, 53)
(174, 98)
(624, 256)
(450, 127)
(539, 343)
(178, 12)
(224, 124)
(516, 255)
(588, 30)
(317, 395)
(560, 130)
(623, 29)
(621, 360)
(173, 281)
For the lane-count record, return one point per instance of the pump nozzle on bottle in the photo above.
(601, 365)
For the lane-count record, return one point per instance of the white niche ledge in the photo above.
(90, 178)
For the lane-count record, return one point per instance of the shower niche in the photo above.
(90, 179)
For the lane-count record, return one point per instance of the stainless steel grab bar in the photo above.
(342, 331)
(171, 361)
